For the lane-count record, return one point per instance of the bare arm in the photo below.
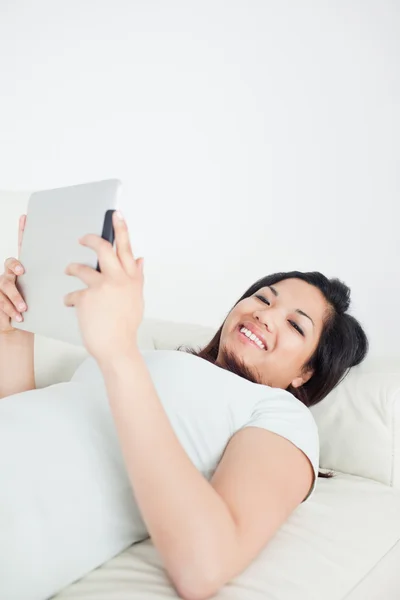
(16, 362)
(206, 533)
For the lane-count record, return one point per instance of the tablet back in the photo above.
(56, 219)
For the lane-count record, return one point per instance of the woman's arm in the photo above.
(206, 533)
(184, 515)
(16, 362)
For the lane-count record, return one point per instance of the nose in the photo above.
(265, 319)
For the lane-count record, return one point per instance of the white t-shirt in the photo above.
(206, 405)
(66, 502)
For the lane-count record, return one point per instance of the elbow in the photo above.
(198, 587)
(200, 592)
(203, 571)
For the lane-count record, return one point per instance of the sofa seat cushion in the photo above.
(325, 549)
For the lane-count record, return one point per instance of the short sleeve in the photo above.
(285, 415)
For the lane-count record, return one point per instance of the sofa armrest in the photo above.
(359, 426)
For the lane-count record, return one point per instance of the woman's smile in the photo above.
(247, 340)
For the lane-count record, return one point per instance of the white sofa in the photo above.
(343, 544)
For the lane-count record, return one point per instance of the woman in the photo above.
(227, 443)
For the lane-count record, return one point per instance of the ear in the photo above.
(302, 379)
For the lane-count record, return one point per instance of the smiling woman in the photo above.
(310, 341)
(207, 457)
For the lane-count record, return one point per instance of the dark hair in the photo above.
(343, 343)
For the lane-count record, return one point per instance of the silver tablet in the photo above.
(55, 220)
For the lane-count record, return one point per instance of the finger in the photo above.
(108, 260)
(123, 244)
(22, 223)
(7, 308)
(84, 273)
(13, 266)
(72, 299)
(10, 291)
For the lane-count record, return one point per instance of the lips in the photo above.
(254, 329)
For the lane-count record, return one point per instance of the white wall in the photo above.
(251, 137)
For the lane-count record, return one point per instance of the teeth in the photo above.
(252, 336)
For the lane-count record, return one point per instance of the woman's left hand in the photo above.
(111, 308)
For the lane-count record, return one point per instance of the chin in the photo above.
(231, 360)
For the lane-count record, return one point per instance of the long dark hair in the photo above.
(343, 343)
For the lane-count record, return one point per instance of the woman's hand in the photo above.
(12, 303)
(111, 308)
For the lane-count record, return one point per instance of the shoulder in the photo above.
(281, 413)
(282, 405)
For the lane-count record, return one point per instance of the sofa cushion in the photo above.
(359, 426)
(326, 549)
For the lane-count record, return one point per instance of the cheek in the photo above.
(293, 342)
(292, 338)
(226, 329)
(290, 350)
(231, 321)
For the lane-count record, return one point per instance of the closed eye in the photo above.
(263, 299)
(293, 324)
(297, 327)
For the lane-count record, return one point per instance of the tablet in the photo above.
(55, 220)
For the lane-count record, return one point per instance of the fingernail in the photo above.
(18, 318)
(21, 306)
(119, 215)
(18, 269)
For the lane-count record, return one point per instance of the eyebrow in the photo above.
(276, 293)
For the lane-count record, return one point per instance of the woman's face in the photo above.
(288, 319)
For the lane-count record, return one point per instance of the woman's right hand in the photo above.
(10, 298)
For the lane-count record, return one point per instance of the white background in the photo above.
(251, 137)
